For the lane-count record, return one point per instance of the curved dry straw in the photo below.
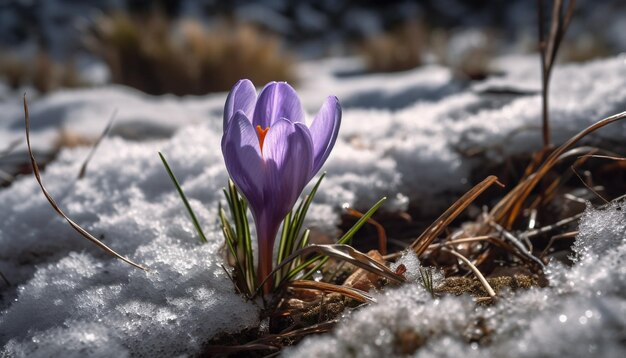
(507, 209)
(341, 252)
(426, 238)
(350, 292)
(84, 233)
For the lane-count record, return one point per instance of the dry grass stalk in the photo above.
(427, 237)
(611, 157)
(272, 342)
(94, 147)
(508, 209)
(40, 71)
(589, 187)
(398, 50)
(548, 51)
(345, 253)
(350, 292)
(84, 233)
(460, 241)
(476, 272)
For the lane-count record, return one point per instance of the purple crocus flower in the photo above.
(271, 154)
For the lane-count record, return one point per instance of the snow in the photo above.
(68, 288)
(403, 136)
(581, 313)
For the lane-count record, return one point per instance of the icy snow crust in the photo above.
(72, 300)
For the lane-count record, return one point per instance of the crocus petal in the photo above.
(288, 153)
(242, 155)
(242, 97)
(277, 100)
(324, 130)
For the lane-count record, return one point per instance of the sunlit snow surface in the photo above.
(402, 136)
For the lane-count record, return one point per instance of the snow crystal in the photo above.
(596, 239)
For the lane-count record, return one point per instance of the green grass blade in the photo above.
(247, 244)
(307, 202)
(194, 219)
(348, 235)
(238, 206)
(304, 239)
(282, 244)
(300, 215)
(235, 208)
(292, 224)
(344, 239)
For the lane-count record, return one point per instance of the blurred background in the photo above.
(195, 47)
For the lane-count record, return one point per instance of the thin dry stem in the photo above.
(588, 186)
(604, 157)
(329, 287)
(56, 207)
(83, 168)
(548, 52)
(460, 241)
(426, 238)
(566, 235)
(508, 208)
(476, 272)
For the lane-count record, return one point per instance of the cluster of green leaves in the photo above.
(238, 240)
(292, 261)
(298, 265)
(290, 238)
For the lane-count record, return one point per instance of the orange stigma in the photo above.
(261, 133)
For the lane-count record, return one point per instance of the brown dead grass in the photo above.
(158, 56)
(398, 50)
(39, 71)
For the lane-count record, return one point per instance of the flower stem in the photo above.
(266, 235)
